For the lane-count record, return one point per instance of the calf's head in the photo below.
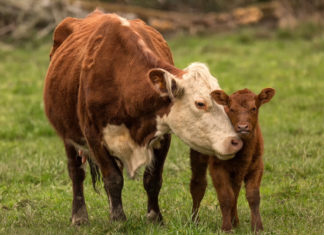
(242, 107)
(194, 116)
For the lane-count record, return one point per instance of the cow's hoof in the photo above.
(79, 220)
(154, 217)
(80, 217)
(119, 216)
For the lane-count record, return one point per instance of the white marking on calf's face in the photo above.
(203, 129)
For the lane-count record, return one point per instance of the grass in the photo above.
(35, 190)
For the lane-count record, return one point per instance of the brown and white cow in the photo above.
(112, 93)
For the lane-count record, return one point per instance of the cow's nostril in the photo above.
(235, 142)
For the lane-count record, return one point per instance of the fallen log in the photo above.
(170, 21)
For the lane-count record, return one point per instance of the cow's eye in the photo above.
(200, 104)
(232, 110)
(253, 109)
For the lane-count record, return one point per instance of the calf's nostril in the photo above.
(243, 127)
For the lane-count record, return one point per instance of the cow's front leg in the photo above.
(77, 175)
(111, 174)
(153, 180)
(113, 183)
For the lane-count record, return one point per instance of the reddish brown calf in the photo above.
(242, 108)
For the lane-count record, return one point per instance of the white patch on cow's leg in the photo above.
(124, 21)
(120, 144)
(153, 216)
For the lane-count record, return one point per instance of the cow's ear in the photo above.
(220, 97)
(165, 83)
(266, 95)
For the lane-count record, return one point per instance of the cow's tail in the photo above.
(95, 173)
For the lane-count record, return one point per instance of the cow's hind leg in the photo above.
(77, 175)
(153, 180)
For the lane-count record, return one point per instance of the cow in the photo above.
(242, 108)
(114, 96)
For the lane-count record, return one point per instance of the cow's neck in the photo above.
(133, 143)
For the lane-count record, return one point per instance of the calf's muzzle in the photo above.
(243, 127)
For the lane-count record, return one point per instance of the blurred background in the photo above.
(37, 18)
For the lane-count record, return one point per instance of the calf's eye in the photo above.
(253, 109)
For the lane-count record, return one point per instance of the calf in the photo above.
(114, 96)
(242, 107)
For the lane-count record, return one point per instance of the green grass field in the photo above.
(35, 190)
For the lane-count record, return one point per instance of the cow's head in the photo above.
(242, 108)
(194, 116)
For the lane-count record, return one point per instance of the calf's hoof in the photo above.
(236, 223)
(154, 217)
(227, 229)
(80, 217)
(257, 229)
(195, 219)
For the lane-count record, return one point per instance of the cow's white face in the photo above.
(194, 117)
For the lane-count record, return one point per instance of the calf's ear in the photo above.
(165, 83)
(220, 97)
(266, 95)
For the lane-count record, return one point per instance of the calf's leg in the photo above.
(252, 186)
(152, 180)
(198, 183)
(111, 174)
(225, 194)
(236, 190)
(77, 175)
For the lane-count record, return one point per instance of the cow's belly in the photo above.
(121, 145)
